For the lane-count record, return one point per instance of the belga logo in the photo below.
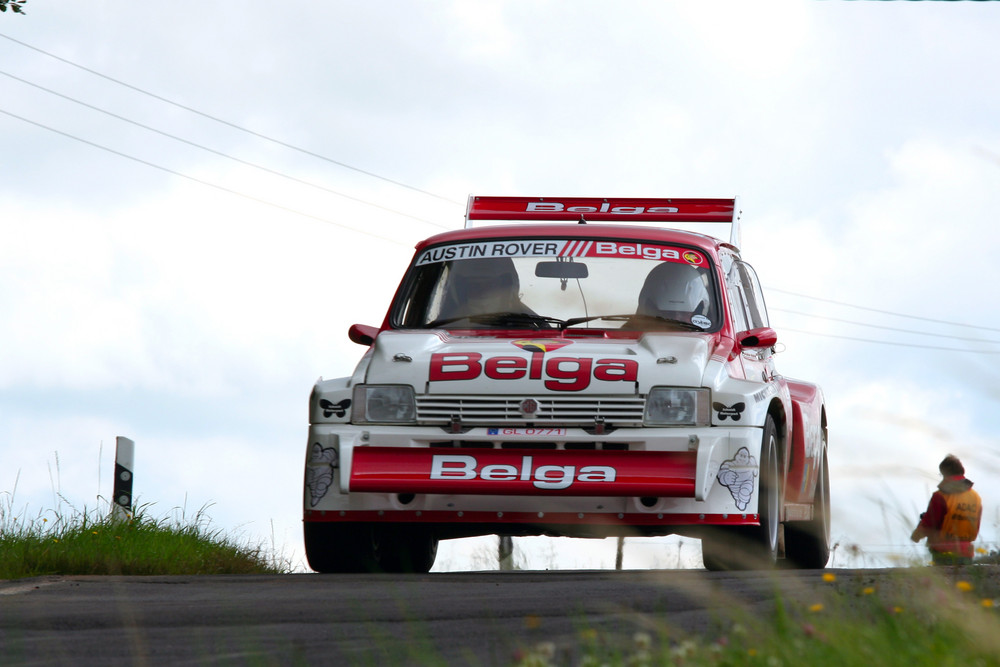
(464, 467)
(558, 373)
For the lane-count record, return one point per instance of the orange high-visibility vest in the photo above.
(961, 521)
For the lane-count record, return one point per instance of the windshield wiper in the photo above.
(669, 320)
(632, 316)
(502, 318)
(573, 321)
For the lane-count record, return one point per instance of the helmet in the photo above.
(674, 290)
(481, 285)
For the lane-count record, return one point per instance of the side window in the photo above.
(737, 298)
(754, 296)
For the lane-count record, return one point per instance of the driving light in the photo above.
(669, 406)
(384, 404)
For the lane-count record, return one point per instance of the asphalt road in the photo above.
(473, 618)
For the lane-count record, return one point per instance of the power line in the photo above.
(219, 153)
(198, 180)
(231, 124)
(893, 343)
(876, 326)
(884, 312)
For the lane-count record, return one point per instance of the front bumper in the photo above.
(652, 477)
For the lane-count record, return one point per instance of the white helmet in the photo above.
(674, 290)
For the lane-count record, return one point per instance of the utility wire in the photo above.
(884, 312)
(231, 124)
(202, 182)
(876, 326)
(893, 343)
(219, 153)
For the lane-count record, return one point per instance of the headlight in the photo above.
(384, 404)
(667, 406)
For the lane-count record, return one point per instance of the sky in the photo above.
(196, 203)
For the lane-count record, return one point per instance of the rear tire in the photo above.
(807, 543)
(752, 547)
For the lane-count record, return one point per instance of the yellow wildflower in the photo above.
(868, 590)
(816, 607)
(963, 586)
(829, 577)
(987, 602)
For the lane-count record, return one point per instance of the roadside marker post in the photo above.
(124, 462)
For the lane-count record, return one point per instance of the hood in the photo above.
(440, 363)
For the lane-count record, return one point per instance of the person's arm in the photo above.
(931, 520)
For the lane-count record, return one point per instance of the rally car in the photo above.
(569, 367)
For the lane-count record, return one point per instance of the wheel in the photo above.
(405, 549)
(807, 543)
(752, 547)
(333, 548)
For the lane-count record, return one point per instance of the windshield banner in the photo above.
(560, 248)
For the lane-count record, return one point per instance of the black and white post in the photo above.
(124, 461)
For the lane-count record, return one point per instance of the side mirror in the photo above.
(760, 337)
(563, 270)
(362, 334)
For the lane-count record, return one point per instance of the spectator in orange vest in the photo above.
(951, 522)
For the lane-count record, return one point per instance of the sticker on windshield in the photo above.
(560, 248)
(701, 321)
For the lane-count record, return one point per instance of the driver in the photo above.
(481, 285)
(675, 291)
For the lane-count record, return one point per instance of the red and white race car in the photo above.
(558, 375)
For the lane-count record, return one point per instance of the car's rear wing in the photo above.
(610, 209)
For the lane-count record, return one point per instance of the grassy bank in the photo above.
(94, 542)
(917, 616)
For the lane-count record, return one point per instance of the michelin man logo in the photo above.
(737, 474)
(319, 472)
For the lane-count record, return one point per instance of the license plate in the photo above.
(535, 432)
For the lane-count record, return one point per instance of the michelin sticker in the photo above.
(737, 474)
(319, 472)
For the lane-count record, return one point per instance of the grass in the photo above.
(100, 543)
(921, 616)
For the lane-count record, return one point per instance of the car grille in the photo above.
(563, 410)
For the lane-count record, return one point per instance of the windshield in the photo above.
(559, 283)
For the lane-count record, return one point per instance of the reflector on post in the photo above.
(121, 506)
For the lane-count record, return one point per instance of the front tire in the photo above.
(339, 548)
(343, 548)
(752, 547)
(407, 550)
